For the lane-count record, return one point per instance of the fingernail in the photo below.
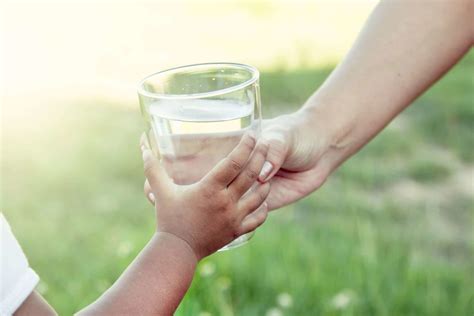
(151, 196)
(266, 170)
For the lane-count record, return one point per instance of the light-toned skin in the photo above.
(192, 222)
(404, 47)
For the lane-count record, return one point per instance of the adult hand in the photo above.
(294, 166)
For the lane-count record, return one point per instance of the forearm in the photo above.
(403, 49)
(153, 284)
(35, 304)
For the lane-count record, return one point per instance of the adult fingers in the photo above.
(277, 151)
(231, 166)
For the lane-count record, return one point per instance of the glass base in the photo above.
(239, 241)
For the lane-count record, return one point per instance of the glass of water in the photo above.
(195, 115)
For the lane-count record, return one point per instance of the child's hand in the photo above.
(211, 213)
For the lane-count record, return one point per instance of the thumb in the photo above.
(158, 180)
(277, 151)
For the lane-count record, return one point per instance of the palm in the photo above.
(299, 174)
(288, 187)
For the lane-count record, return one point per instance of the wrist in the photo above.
(179, 245)
(330, 120)
(332, 129)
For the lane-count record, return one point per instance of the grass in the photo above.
(72, 191)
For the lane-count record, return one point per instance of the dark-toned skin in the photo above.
(35, 305)
(193, 222)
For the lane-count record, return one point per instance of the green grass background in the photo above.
(391, 233)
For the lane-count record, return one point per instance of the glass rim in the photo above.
(255, 74)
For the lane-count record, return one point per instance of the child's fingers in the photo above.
(252, 200)
(146, 186)
(278, 146)
(253, 220)
(230, 167)
(144, 142)
(250, 173)
(159, 181)
(148, 192)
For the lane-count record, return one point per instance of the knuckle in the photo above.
(235, 165)
(251, 174)
(248, 142)
(263, 147)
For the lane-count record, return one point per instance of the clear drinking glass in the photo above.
(195, 115)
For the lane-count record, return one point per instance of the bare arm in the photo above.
(192, 222)
(36, 305)
(190, 226)
(404, 47)
(153, 284)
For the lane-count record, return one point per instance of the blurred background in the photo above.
(390, 233)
